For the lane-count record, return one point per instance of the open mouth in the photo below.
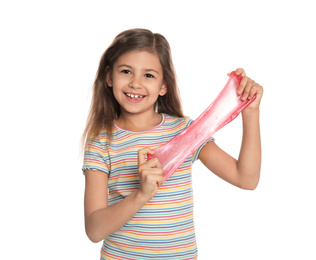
(134, 96)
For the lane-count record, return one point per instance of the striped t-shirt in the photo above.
(164, 227)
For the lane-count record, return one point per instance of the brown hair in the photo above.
(104, 107)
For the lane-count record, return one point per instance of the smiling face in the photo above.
(137, 81)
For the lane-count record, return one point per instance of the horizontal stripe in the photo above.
(164, 227)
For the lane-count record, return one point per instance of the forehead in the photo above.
(140, 59)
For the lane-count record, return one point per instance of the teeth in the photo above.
(134, 96)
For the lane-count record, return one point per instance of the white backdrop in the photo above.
(49, 56)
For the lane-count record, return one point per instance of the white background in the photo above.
(49, 56)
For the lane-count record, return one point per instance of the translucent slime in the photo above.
(219, 113)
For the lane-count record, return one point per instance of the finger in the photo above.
(153, 176)
(156, 179)
(153, 163)
(242, 85)
(157, 175)
(247, 91)
(142, 155)
(241, 71)
(260, 90)
(151, 171)
(157, 172)
(252, 92)
(160, 181)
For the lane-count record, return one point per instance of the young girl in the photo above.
(135, 109)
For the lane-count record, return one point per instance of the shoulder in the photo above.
(99, 141)
(104, 135)
(179, 121)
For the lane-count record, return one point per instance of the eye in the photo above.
(149, 75)
(126, 71)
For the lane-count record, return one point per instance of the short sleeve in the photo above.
(95, 156)
(197, 152)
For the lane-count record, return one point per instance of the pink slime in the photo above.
(222, 111)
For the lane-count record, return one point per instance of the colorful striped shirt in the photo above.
(164, 227)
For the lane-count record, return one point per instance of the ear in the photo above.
(163, 89)
(108, 76)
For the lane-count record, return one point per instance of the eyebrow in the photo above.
(128, 66)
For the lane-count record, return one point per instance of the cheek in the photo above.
(119, 82)
(117, 89)
(116, 92)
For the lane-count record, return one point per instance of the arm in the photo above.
(245, 171)
(102, 220)
(249, 161)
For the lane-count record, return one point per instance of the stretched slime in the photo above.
(219, 113)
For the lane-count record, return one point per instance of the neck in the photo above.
(139, 122)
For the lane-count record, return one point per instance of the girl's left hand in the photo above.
(247, 89)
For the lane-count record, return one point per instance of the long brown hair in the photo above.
(104, 107)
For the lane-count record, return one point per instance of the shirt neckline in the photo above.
(163, 118)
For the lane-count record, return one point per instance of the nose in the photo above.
(135, 82)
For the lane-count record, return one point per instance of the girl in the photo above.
(135, 109)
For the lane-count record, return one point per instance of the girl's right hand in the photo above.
(150, 174)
